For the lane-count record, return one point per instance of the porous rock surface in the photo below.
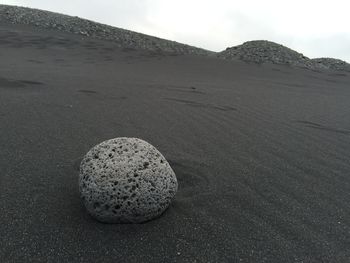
(126, 180)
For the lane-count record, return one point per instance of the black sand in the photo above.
(261, 153)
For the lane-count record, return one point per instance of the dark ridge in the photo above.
(124, 38)
(257, 51)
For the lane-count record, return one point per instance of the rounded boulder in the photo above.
(126, 180)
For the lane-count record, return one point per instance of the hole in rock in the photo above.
(145, 164)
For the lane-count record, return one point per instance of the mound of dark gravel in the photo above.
(262, 51)
(331, 63)
(124, 38)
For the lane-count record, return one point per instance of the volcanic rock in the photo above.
(126, 180)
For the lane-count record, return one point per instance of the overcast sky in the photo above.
(316, 28)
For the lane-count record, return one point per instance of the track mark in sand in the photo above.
(290, 84)
(87, 91)
(338, 74)
(177, 88)
(331, 80)
(318, 126)
(280, 70)
(202, 105)
(30, 82)
(294, 85)
(108, 49)
(191, 89)
(100, 96)
(35, 61)
(5, 83)
(128, 49)
(191, 181)
(59, 60)
(16, 84)
(108, 58)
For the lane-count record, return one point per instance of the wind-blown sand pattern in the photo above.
(261, 152)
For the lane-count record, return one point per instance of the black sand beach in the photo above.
(261, 153)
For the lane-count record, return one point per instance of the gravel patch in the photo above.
(263, 51)
(331, 63)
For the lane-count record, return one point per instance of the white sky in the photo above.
(316, 28)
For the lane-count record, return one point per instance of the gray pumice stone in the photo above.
(126, 180)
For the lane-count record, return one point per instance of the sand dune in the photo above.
(256, 51)
(261, 153)
(73, 24)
